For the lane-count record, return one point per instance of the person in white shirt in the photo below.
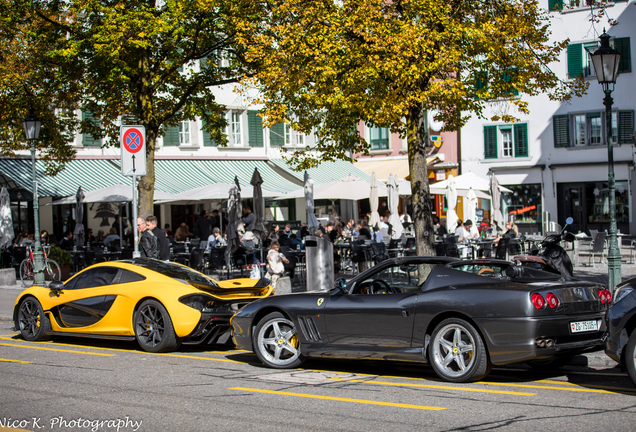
(465, 233)
(215, 239)
(377, 235)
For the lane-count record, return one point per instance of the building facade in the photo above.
(555, 158)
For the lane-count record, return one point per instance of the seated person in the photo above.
(112, 236)
(215, 239)
(511, 232)
(67, 241)
(296, 242)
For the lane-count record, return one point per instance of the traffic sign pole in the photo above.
(133, 163)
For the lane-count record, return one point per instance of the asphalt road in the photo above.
(74, 384)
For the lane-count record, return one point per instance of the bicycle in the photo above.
(51, 268)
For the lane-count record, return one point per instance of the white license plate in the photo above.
(584, 326)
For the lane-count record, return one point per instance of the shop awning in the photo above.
(384, 167)
(324, 173)
(90, 174)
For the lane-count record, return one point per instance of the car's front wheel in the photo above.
(630, 357)
(32, 321)
(276, 342)
(457, 352)
(153, 328)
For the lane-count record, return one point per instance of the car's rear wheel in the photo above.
(153, 328)
(276, 342)
(630, 356)
(457, 352)
(32, 321)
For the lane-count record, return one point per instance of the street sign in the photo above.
(133, 150)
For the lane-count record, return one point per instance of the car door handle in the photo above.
(405, 314)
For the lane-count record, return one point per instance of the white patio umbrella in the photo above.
(216, 191)
(470, 210)
(347, 188)
(451, 198)
(78, 233)
(312, 222)
(404, 187)
(497, 217)
(373, 200)
(6, 220)
(114, 193)
(394, 219)
(233, 209)
(466, 181)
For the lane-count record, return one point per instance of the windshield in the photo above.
(175, 271)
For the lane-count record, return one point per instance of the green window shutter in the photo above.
(89, 140)
(508, 77)
(171, 138)
(490, 142)
(128, 119)
(255, 129)
(481, 80)
(575, 60)
(207, 139)
(622, 46)
(625, 126)
(555, 5)
(277, 135)
(521, 140)
(561, 129)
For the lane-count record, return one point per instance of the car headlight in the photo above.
(200, 302)
(622, 292)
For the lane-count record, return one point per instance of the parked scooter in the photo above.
(549, 255)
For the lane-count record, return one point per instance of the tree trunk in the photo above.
(147, 182)
(417, 138)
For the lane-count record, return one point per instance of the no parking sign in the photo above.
(133, 150)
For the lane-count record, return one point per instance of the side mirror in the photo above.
(569, 221)
(341, 284)
(56, 287)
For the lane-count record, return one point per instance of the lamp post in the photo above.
(31, 126)
(606, 61)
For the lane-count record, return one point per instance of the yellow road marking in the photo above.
(14, 361)
(361, 401)
(436, 387)
(584, 390)
(60, 350)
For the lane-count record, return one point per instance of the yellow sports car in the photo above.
(161, 304)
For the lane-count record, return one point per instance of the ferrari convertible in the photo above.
(621, 323)
(160, 304)
(462, 317)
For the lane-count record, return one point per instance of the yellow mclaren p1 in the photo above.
(160, 304)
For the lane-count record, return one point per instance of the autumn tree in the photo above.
(326, 65)
(153, 63)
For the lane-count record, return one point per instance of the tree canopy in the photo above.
(326, 65)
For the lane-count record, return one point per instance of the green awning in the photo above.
(326, 172)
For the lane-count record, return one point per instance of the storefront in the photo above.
(588, 204)
(523, 205)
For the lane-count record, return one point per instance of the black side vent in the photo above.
(309, 329)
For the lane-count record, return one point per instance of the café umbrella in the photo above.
(393, 197)
(6, 224)
(312, 221)
(374, 219)
(451, 198)
(78, 233)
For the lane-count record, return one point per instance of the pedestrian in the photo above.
(162, 238)
(203, 226)
(275, 263)
(147, 240)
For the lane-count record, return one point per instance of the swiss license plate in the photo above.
(584, 326)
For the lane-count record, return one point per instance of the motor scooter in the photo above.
(549, 255)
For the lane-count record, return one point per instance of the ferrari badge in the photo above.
(320, 300)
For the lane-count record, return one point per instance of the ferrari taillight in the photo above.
(602, 296)
(608, 296)
(538, 301)
(552, 300)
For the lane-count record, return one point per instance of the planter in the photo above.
(65, 270)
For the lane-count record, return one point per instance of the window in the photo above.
(88, 140)
(379, 138)
(293, 137)
(235, 128)
(579, 62)
(555, 5)
(524, 203)
(184, 133)
(590, 129)
(511, 139)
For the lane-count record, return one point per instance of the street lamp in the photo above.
(31, 126)
(606, 61)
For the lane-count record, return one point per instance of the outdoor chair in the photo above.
(627, 245)
(379, 252)
(216, 259)
(359, 254)
(514, 247)
(290, 268)
(597, 247)
(194, 243)
(196, 261)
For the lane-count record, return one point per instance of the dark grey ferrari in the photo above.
(462, 317)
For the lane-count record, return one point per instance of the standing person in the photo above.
(147, 240)
(275, 263)
(248, 218)
(162, 238)
(216, 221)
(203, 226)
(116, 225)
